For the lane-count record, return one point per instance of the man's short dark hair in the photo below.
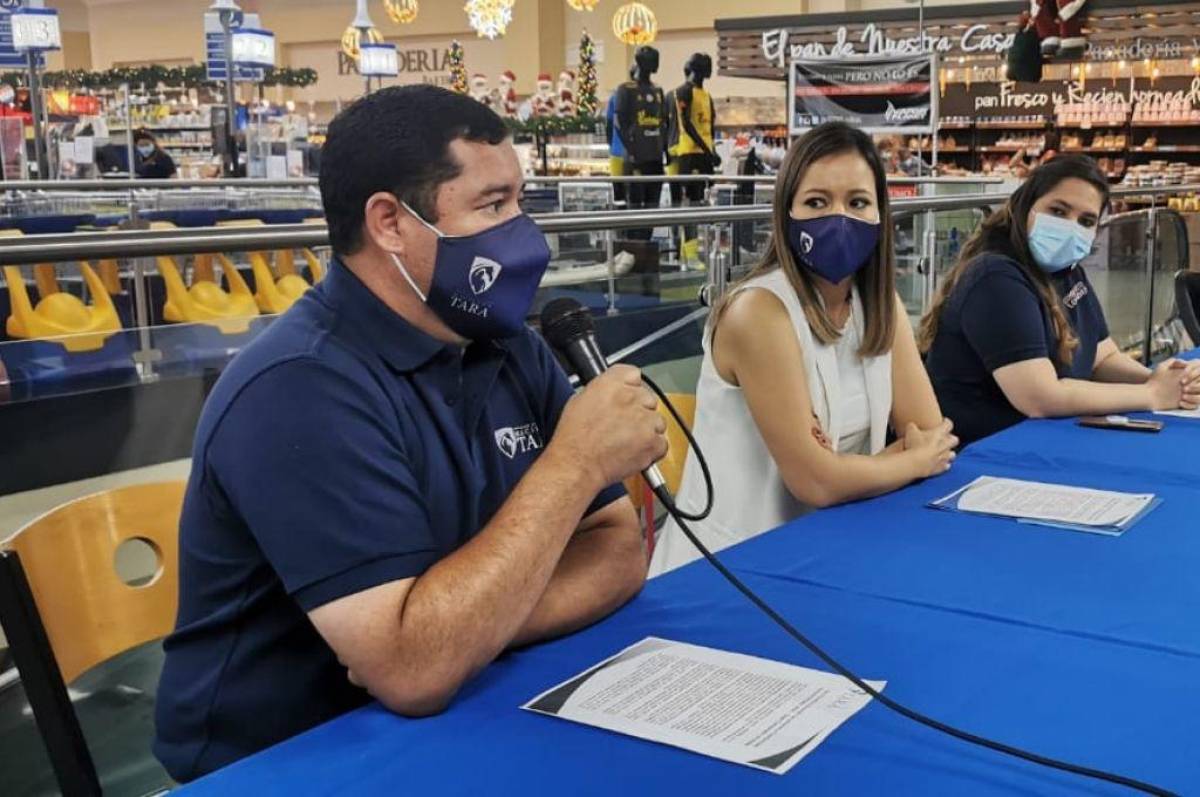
(397, 140)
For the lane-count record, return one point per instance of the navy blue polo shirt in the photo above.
(994, 318)
(341, 450)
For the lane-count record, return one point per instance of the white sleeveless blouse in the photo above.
(851, 397)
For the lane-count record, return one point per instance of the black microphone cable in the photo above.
(687, 432)
(681, 518)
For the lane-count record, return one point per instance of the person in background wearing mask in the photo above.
(810, 360)
(1016, 330)
(393, 484)
(150, 161)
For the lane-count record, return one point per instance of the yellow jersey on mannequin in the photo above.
(700, 112)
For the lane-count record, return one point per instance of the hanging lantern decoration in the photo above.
(402, 12)
(489, 18)
(583, 5)
(353, 37)
(635, 24)
(361, 31)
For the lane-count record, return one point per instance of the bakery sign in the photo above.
(779, 50)
(429, 64)
(986, 99)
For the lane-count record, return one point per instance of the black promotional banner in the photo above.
(878, 95)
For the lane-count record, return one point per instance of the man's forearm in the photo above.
(600, 570)
(466, 609)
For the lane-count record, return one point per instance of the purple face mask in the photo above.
(484, 284)
(833, 247)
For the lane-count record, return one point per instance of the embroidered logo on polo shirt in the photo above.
(1072, 299)
(513, 440)
(484, 273)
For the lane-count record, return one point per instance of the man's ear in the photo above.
(386, 223)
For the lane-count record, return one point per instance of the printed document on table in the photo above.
(744, 709)
(1052, 504)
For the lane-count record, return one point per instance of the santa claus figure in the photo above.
(480, 91)
(1045, 20)
(566, 93)
(1059, 25)
(543, 101)
(508, 95)
(1070, 27)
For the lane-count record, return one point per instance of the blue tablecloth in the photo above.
(1075, 645)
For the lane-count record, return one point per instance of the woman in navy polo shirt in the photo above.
(1016, 330)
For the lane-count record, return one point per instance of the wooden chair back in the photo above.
(672, 464)
(69, 559)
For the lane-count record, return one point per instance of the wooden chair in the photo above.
(671, 465)
(65, 609)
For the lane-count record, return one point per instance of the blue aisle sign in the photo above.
(10, 57)
(214, 47)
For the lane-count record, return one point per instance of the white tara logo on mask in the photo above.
(484, 274)
(806, 243)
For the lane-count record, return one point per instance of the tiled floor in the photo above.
(115, 706)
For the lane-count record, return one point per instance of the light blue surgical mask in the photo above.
(145, 150)
(1057, 243)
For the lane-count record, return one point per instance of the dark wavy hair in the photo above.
(1006, 232)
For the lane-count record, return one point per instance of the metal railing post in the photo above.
(929, 259)
(1151, 253)
(612, 272)
(146, 355)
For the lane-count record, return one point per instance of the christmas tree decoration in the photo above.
(489, 18)
(586, 104)
(583, 5)
(402, 12)
(458, 68)
(634, 24)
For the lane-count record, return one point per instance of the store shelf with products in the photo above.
(159, 128)
(1167, 149)
(1173, 123)
(1023, 125)
(576, 155)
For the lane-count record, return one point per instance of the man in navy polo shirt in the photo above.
(394, 484)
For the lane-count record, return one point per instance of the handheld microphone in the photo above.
(567, 327)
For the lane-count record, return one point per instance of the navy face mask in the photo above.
(833, 247)
(484, 284)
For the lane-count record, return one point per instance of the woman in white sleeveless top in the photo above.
(810, 360)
